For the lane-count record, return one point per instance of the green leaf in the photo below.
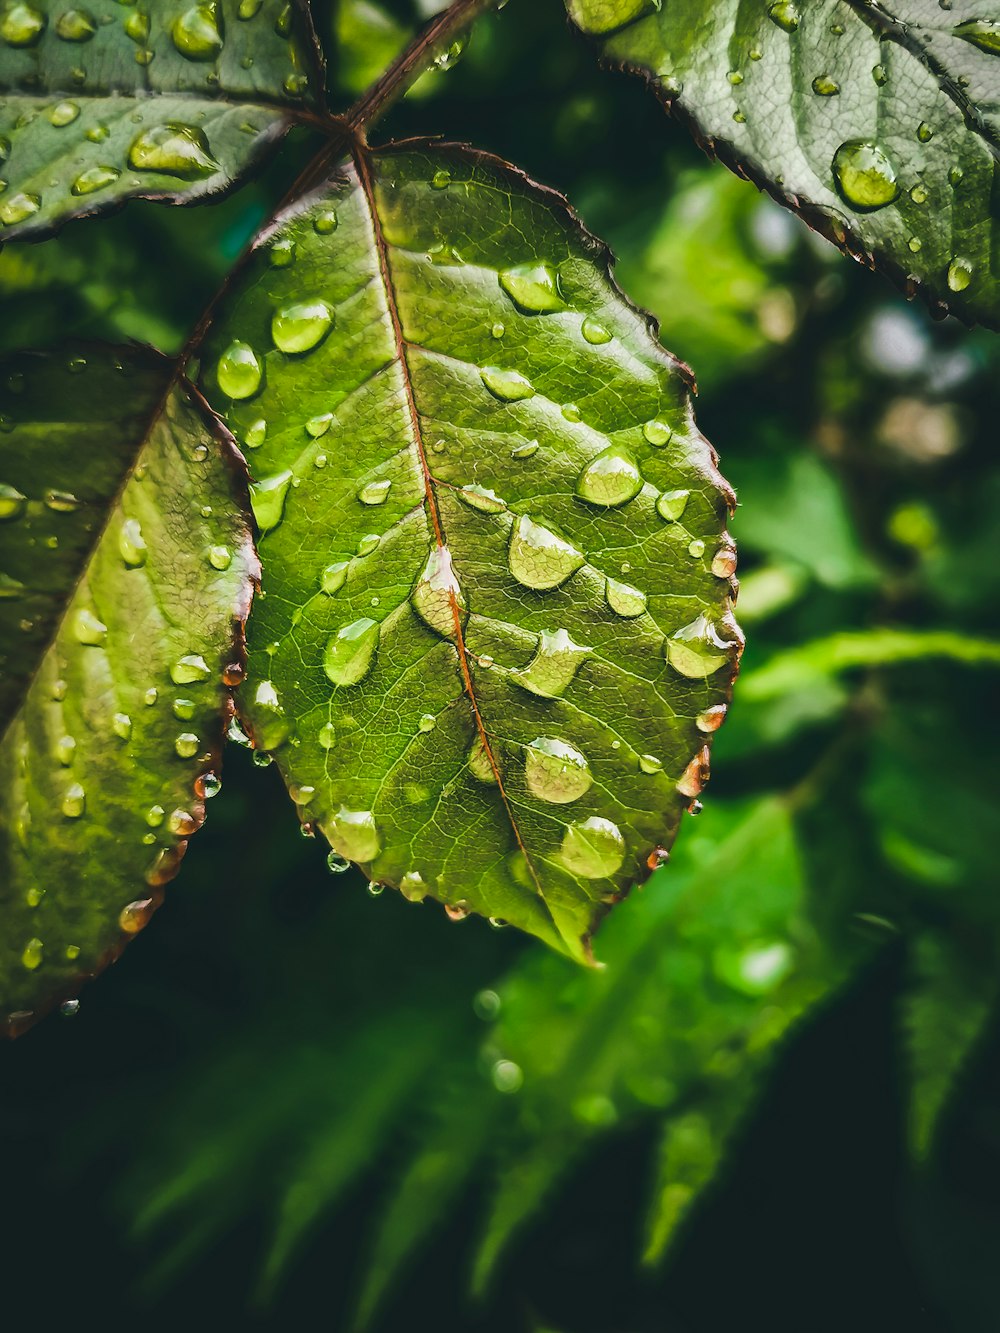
(172, 101)
(498, 594)
(125, 571)
(878, 124)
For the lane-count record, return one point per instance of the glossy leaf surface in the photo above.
(126, 567)
(103, 102)
(878, 123)
(496, 632)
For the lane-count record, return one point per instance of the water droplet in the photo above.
(319, 425)
(196, 33)
(18, 207)
(184, 709)
(497, 330)
(696, 548)
(457, 911)
(151, 696)
(121, 725)
(451, 54)
(255, 433)
(334, 576)
(785, 13)
(61, 502)
(239, 372)
(610, 479)
(267, 500)
(824, 86)
(532, 286)
(175, 150)
(959, 274)
(353, 834)
(880, 74)
(437, 594)
(186, 745)
(327, 736)
(94, 179)
(301, 325)
(220, 557)
(269, 721)
(624, 600)
(413, 887)
(510, 386)
(135, 916)
(526, 450)
(698, 649)
(711, 719)
(375, 492)
(593, 848)
(671, 505)
(555, 771)
(724, 562)
(96, 134)
(594, 331)
(74, 801)
(337, 864)
(22, 24)
(32, 954)
(182, 823)
(63, 113)
(984, 33)
(864, 175)
(368, 543)
(282, 252)
(350, 652)
(76, 25)
(480, 764)
(249, 9)
(87, 629)
(649, 763)
(441, 180)
(132, 544)
(137, 27)
(925, 132)
(189, 670)
(556, 661)
(12, 502)
(538, 557)
(427, 722)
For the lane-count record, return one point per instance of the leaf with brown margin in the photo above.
(496, 632)
(126, 572)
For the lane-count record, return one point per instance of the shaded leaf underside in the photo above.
(125, 567)
(104, 102)
(881, 125)
(486, 513)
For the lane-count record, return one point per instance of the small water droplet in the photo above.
(457, 911)
(497, 330)
(121, 725)
(255, 433)
(553, 667)
(186, 745)
(593, 848)
(483, 499)
(301, 325)
(76, 25)
(824, 86)
(880, 74)
(711, 719)
(437, 594)
(611, 479)
(350, 652)
(334, 576)
(325, 222)
(32, 954)
(184, 709)
(533, 287)
(984, 33)
(784, 13)
(510, 386)
(526, 450)
(63, 113)
(173, 149)
(441, 180)
(864, 175)
(267, 500)
(624, 601)
(132, 544)
(353, 834)
(137, 27)
(959, 274)
(74, 801)
(87, 629)
(368, 543)
(671, 505)
(220, 557)
(649, 763)
(270, 724)
(375, 492)
(239, 372)
(555, 771)
(135, 916)
(151, 696)
(12, 502)
(94, 179)
(182, 823)
(925, 132)
(427, 722)
(413, 887)
(724, 562)
(696, 548)
(189, 670)
(698, 649)
(538, 557)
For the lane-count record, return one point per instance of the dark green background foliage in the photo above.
(289, 1097)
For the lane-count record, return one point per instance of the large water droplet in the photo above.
(21, 24)
(94, 179)
(671, 505)
(864, 175)
(63, 113)
(959, 274)
(533, 286)
(824, 86)
(483, 499)
(76, 25)
(191, 669)
(698, 649)
(267, 499)
(196, 32)
(186, 745)
(480, 765)
(18, 207)
(413, 887)
(368, 543)
(352, 833)
(984, 33)
(132, 544)
(239, 372)
(350, 652)
(556, 661)
(301, 325)
(593, 848)
(334, 576)
(12, 502)
(657, 433)
(555, 771)
(610, 479)
(624, 601)
(594, 331)
(135, 916)
(175, 150)
(87, 629)
(538, 557)
(437, 594)
(510, 386)
(375, 492)
(785, 13)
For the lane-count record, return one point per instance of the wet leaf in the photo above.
(878, 124)
(173, 101)
(125, 568)
(496, 633)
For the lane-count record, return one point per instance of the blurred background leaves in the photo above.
(778, 1105)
